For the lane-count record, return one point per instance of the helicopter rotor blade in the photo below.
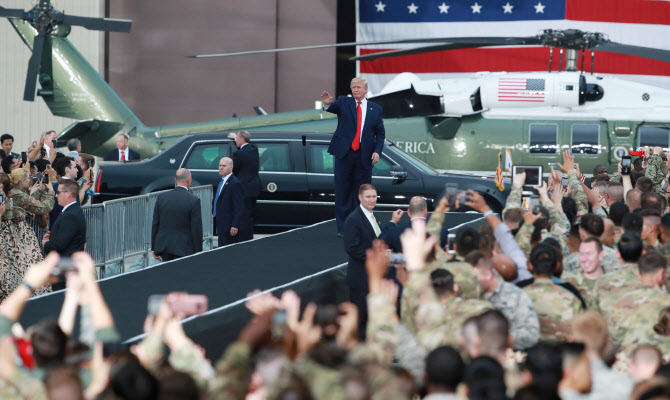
(490, 41)
(417, 50)
(97, 24)
(34, 66)
(12, 13)
(646, 52)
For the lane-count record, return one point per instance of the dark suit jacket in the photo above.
(68, 234)
(230, 207)
(372, 131)
(245, 168)
(57, 208)
(358, 237)
(391, 236)
(177, 223)
(113, 155)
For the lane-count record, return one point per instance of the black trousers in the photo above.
(247, 231)
(359, 296)
(350, 174)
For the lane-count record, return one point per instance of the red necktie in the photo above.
(359, 118)
(123, 156)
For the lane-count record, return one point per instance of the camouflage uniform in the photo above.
(439, 324)
(635, 314)
(555, 308)
(464, 273)
(617, 236)
(517, 306)
(22, 386)
(23, 203)
(513, 199)
(577, 193)
(609, 262)
(656, 171)
(582, 283)
(608, 289)
(665, 250)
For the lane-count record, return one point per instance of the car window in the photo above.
(320, 161)
(585, 139)
(274, 157)
(382, 168)
(543, 138)
(207, 156)
(654, 136)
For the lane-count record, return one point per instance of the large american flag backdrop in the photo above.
(636, 22)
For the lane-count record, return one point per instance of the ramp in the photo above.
(309, 260)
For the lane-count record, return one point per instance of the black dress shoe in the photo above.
(340, 235)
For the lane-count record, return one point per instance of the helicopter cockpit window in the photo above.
(207, 156)
(543, 138)
(585, 139)
(654, 136)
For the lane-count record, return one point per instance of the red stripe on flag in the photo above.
(506, 59)
(625, 11)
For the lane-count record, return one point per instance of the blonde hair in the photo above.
(16, 176)
(359, 79)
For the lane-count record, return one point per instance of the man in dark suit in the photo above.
(360, 229)
(122, 151)
(418, 209)
(176, 230)
(356, 145)
(228, 204)
(68, 234)
(245, 168)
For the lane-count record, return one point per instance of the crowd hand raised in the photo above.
(543, 191)
(86, 268)
(477, 202)
(416, 246)
(257, 331)
(326, 98)
(376, 263)
(443, 205)
(174, 335)
(529, 217)
(290, 302)
(348, 321)
(556, 176)
(568, 165)
(390, 290)
(42, 139)
(260, 303)
(38, 274)
(520, 179)
(558, 194)
(307, 334)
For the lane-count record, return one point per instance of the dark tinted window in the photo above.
(653, 136)
(585, 139)
(543, 138)
(320, 161)
(274, 157)
(207, 156)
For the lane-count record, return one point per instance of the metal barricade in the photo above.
(113, 230)
(206, 195)
(95, 244)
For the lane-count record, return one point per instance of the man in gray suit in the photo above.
(177, 225)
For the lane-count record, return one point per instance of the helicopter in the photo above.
(452, 124)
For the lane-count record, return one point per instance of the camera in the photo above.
(45, 179)
(54, 142)
(533, 174)
(565, 181)
(24, 157)
(43, 153)
(65, 265)
(185, 304)
(396, 259)
(625, 165)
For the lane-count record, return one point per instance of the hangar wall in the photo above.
(147, 68)
(25, 120)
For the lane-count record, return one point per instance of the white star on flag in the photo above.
(476, 8)
(508, 8)
(380, 6)
(412, 8)
(539, 8)
(444, 8)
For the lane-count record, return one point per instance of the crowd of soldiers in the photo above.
(563, 299)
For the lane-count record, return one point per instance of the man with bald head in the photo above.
(176, 230)
(228, 209)
(418, 208)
